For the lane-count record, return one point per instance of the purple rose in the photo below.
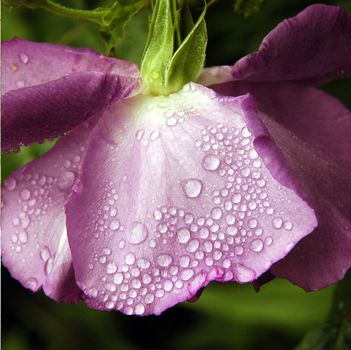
(147, 199)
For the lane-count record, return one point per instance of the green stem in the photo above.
(94, 15)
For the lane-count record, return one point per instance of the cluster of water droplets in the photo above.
(182, 251)
(39, 199)
(23, 60)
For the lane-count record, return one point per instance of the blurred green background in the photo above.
(227, 316)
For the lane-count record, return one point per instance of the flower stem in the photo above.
(93, 15)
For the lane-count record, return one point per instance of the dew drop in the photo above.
(168, 285)
(183, 235)
(238, 250)
(288, 225)
(192, 246)
(49, 265)
(149, 298)
(10, 184)
(114, 225)
(244, 274)
(184, 261)
(138, 234)
(66, 180)
(23, 237)
(164, 260)
(236, 198)
(118, 278)
(157, 215)
(192, 187)
(216, 213)
(269, 240)
(130, 259)
(111, 268)
(25, 194)
(139, 309)
(256, 245)
(252, 223)
(211, 162)
(45, 254)
(172, 121)
(186, 274)
(277, 222)
(140, 134)
(24, 58)
(154, 135)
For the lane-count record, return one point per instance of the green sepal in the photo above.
(159, 47)
(189, 59)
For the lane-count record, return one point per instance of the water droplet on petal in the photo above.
(211, 162)
(111, 268)
(24, 58)
(66, 180)
(49, 265)
(164, 260)
(183, 235)
(172, 121)
(45, 253)
(216, 213)
(138, 234)
(288, 225)
(118, 278)
(256, 245)
(25, 194)
(130, 259)
(154, 135)
(20, 84)
(139, 309)
(244, 274)
(10, 184)
(114, 225)
(192, 187)
(277, 222)
(23, 237)
(236, 198)
(140, 134)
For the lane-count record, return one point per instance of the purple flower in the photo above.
(147, 199)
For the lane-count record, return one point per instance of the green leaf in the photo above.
(159, 47)
(247, 7)
(188, 60)
(335, 334)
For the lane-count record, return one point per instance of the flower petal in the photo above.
(172, 195)
(312, 130)
(26, 63)
(314, 46)
(48, 110)
(34, 240)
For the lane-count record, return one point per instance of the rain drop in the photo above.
(277, 222)
(24, 58)
(25, 194)
(164, 260)
(10, 184)
(192, 188)
(256, 245)
(211, 162)
(183, 235)
(66, 180)
(111, 268)
(138, 234)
